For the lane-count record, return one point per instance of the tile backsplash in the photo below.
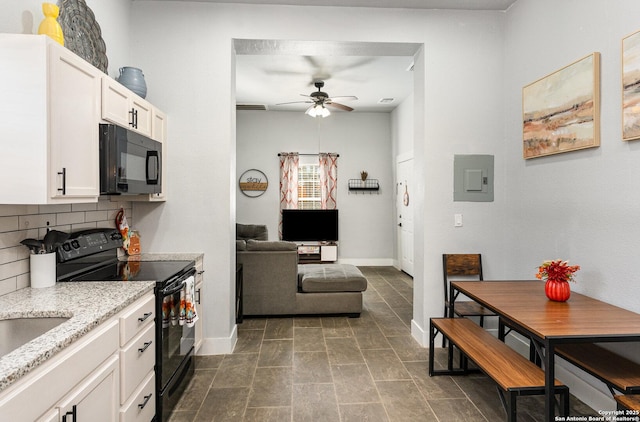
(19, 222)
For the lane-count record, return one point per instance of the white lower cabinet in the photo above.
(137, 360)
(199, 285)
(105, 376)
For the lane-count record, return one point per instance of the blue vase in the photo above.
(133, 78)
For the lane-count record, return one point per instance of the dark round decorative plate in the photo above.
(82, 34)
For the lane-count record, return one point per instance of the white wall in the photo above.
(363, 141)
(113, 17)
(581, 205)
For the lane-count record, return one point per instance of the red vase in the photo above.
(558, 291)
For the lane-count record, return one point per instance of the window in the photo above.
(309, 192)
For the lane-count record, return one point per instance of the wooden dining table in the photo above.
(524, 307)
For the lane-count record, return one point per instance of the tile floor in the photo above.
(342, 369)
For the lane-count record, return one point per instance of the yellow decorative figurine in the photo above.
(49, 25)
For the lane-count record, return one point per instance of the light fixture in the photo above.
(318, 109)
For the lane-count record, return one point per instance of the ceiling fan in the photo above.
(320, 101)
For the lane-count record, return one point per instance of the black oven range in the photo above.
(91, 255)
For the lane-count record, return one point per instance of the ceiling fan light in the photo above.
(311, 111)
(318, 110)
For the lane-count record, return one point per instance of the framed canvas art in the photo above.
(561, 111)
(631, 87)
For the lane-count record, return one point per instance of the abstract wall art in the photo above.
(561, 111)
(631, 87)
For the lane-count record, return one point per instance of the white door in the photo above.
(404, 211)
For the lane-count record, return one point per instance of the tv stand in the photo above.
(309, 254)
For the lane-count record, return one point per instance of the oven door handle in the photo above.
(180, 280)
(168, 291)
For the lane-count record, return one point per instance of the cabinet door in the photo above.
(143, 115)
(198, 325)
(159, 126)
(115, 102)
(199, 307)
(159, 133)
(124, 108)
(95, 399)
(74, 92)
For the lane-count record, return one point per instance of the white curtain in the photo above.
(328, 180)
(289, 162)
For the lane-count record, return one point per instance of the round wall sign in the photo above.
(253, 183)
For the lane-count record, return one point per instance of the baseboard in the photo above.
(219, 346)
(366, 262)
(419, 334)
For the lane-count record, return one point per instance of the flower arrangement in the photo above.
(557, 270)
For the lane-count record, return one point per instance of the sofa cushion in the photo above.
(314, 278)
(251, 231)
(241, 245)
(265, 245)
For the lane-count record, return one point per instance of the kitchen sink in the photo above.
(16, 332)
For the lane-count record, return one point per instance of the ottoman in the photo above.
(330, 289)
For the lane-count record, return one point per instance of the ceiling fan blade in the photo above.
(344, 98)
(296, 102)
(338, 106)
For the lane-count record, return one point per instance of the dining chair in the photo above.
(470, 267)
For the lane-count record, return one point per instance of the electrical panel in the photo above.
(473, 178)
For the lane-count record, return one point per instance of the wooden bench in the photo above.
(628, 401)
(617, 372)
(514, 374)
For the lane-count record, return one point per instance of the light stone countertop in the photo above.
(86, 304)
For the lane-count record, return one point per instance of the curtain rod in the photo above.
(279, 154)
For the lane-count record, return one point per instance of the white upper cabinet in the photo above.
(159, 133)
(50, 108)
(124, 108)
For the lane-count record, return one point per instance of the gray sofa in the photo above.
(274, 283)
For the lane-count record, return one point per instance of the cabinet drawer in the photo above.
(138, 317)
(136, 360)
(141, 407)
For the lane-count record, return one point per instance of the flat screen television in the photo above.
(310, 225)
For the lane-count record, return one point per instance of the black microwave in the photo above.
(130, 163)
